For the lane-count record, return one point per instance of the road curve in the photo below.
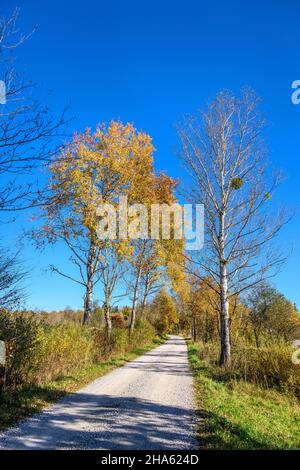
(146, 404)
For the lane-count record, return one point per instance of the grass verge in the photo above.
(234, 414)
(16, 406)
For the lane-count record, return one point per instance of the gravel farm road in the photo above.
(146, 404)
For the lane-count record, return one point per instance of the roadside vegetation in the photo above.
(21, 403)
(236, 414)
(45, 360)
(242, 329)
(51, 354)
(254, 402)
(262, 336)
(41, 351)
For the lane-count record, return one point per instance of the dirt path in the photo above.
(146, 404)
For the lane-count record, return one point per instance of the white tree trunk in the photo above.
(135, 300)
(107, 318)
(225, 323)
(88, 303)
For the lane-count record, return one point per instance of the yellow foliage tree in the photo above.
(116, 160)
(164, 313)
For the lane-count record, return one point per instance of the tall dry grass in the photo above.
(268, 366)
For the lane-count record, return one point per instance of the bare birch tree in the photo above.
(28, 129)
(225, 156)
(11, 277)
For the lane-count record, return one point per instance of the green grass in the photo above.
(234, 414)
(16, 406)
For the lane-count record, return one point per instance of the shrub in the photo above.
(101, 349)
(63, 349)
(270, 366)
(118, 341)
(121, 342)
(143, 333)
(38, 352)
(22, 334)
(118, 320)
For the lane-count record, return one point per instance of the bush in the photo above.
(270, 366)
(22, 334)
(38, 352)
(143, 334)
(64, 348)
(119, 341)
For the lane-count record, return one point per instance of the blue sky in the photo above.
(150, 62)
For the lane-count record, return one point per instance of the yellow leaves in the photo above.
(166, 312)
(99, 167)
(96, 168)
(203, 299)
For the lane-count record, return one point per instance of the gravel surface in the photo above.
(146, 404)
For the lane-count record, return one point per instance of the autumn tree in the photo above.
(155, 260)
(203, 310)
(164, 314)
(225, 156)
(93, 170)
(271, 315)
(198, 308)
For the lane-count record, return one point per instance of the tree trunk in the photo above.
(194, 329)
(88, 299)
(225, 324)
(143, 304)
(135, 301)
(107, 318)
(88, 304)
(256, 336)
(145, 293)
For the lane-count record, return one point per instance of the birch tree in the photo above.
(225, 157)
(112, 269)
(95, 168)
(151, 259)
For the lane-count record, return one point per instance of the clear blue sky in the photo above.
(149, 62)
